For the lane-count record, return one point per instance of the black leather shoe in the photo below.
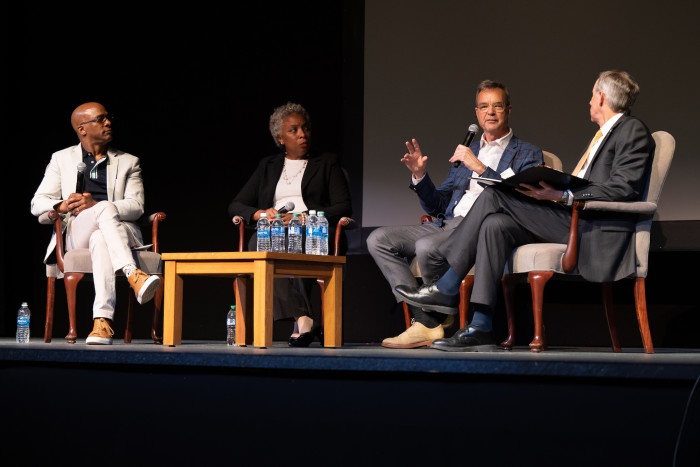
(429, 297)
(467, 339)
(306, 338)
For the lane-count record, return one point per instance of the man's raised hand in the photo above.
(414, 159)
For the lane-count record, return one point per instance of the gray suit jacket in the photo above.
(124, 187)
(619, 172)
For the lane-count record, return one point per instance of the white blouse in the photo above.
(289, 185)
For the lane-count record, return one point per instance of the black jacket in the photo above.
(324, 187)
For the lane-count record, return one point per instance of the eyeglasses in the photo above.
(100, 119)
(498, 107)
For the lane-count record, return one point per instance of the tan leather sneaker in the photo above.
(101, 332)
(415, 336)
(144, 286)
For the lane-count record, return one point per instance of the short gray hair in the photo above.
(620, 89)
(489, 84)
(280, 113)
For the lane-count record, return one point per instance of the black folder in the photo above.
(533, 175)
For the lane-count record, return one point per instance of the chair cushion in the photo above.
(536, 257)
(79, 261)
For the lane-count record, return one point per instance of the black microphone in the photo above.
(80, 183)
(473, 130)
(286, 208)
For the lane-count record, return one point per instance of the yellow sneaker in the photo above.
(144, 286)
(101, 333)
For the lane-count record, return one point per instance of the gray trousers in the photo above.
(499, 222)
(394, 247)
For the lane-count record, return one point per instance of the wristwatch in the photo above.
(567, 198)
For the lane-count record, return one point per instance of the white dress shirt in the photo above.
(490, 155)
(605, 129)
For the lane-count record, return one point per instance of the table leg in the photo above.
(172, 306)
(333, 309)
(244, 311)
(263, 280)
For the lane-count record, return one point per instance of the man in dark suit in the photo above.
(497, 154)
(616, 163)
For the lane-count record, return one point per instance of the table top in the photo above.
(250, 255)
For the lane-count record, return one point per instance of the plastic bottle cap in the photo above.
(295, 215)
(233, 307)
(24, 304)
(278, 215)
(263, 214)
(312, 212)
(321, 213)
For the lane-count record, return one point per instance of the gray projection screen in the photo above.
(424, 59)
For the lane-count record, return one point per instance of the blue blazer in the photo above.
(440, 202)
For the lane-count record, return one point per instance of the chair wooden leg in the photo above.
(50, 299)
(610, 315)
(407, 314)
(71, 282)
(157, 312)
(509, 282)
(465, 295)
(640, 303)
(131, 305)
(538, 279)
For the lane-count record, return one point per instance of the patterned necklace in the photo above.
(287, 180)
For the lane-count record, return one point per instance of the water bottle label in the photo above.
(295, 230)
(24, 321)
(277, 230)
(323, 230)
(230, 321)
(263, 233)
(309, 231)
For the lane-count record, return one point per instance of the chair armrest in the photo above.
(638, 207)
(48, 218)
(570, 258)
(156, 219)
(55, 218)
(568, 261)
(346, 222)
(152, 221)
(240, 222)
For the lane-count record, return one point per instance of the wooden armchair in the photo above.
(242, 283)
(73, 265)
(539, 262)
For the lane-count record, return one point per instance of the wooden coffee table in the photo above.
(253, 271)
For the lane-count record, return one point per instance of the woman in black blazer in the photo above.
(310, 181)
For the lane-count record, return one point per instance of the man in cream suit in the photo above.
(100, 217)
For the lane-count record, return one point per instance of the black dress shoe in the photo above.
(306, 338)
(429, 297)
(467, 339)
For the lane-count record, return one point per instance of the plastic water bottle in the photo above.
(263, 233)
(277, 234)
(312, 233)
(23, 317)
(231, 326)
(294, 241)
(323, 234)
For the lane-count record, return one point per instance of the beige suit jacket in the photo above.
(124, 187)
